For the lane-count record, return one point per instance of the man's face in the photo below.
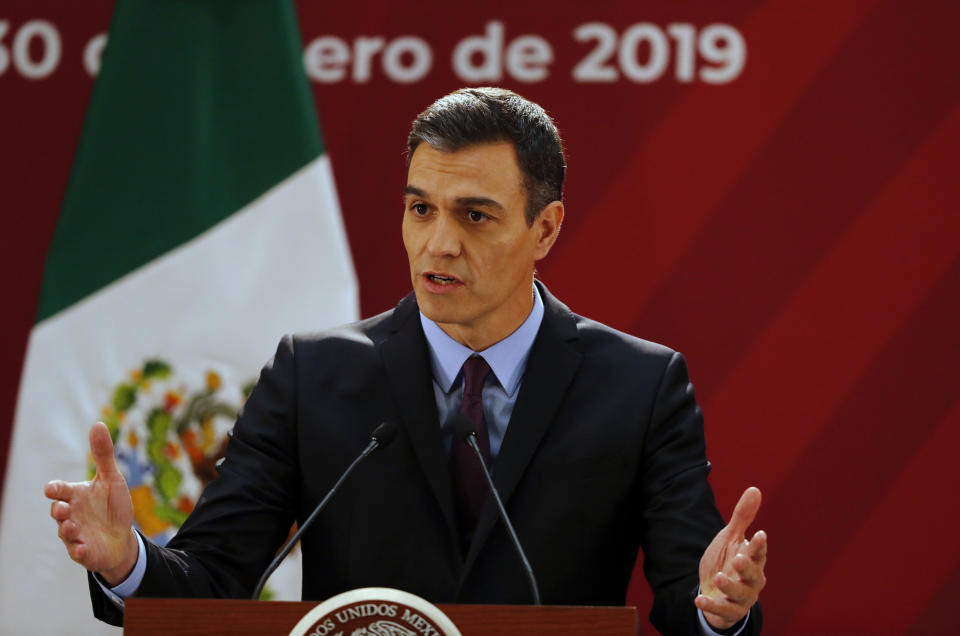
(471, 251)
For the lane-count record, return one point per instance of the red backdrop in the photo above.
(784, 212)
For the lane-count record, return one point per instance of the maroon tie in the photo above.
(469, 484)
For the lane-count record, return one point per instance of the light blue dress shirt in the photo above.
(507, 360)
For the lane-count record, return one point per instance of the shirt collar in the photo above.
(507, 358)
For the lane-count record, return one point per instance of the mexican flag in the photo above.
(200, 224)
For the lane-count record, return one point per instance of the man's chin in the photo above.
(438, 309)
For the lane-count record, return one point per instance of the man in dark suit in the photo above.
(595, 438)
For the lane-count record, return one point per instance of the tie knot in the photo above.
(475, 372)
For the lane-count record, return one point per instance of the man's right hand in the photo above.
(96, 517)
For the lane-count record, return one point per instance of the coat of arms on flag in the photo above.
(168, 436)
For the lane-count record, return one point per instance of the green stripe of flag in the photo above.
(200, 107)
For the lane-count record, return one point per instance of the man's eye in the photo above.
(476, 217)
(421, 208)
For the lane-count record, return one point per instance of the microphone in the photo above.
(381, 436)
(463, 429)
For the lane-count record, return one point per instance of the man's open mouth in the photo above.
(441, 280)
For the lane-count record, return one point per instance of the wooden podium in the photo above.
(203, 617)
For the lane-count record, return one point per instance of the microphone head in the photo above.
(385, 433)
(463, 427)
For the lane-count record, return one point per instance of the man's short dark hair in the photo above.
(472, 116)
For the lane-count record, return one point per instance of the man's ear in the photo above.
(546, 227)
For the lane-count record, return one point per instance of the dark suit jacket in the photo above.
(604, 454)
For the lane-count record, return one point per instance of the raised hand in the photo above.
(96, 517)
(731, 568)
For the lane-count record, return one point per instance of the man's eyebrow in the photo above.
(463, 202)
(478, 202)
(415, 191)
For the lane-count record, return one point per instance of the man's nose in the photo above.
(444, 238)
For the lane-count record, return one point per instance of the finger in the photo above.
(756, 551)
(736, 591)
(721, 608)
(58, 489)
(101, 447)
(60, 510)
(68, 531)
(77, 551)
(749, 572)
(745, 511)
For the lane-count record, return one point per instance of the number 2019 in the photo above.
(720, 45)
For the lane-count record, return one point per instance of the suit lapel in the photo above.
(405, 359)
(552, 364)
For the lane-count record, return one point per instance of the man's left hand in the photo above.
(731, 568)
